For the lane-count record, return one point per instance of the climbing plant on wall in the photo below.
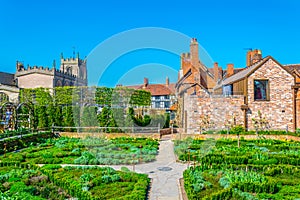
(70, 106)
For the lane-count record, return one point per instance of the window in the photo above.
(227, 90)
(157, 97)
(167, 104)
(261, 90)
(157, 104)
(162, 105)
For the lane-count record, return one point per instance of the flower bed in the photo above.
(258, 169)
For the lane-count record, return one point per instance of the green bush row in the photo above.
(220, 158)
(14, 133)
(265, 132)
(16, 143)
(73, 187)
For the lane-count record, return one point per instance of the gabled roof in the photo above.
(244, 73)
(248, 71)
(292, 67)
(156, 89)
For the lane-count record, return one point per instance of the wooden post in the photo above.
(4, 149)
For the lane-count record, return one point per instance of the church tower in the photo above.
(74, 66)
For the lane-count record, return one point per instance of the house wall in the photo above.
(298, 108)
(11, 92)
(279, 109)
(218, 109)
(238, 88)
(35, 81)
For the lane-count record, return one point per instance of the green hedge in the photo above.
(16, 143)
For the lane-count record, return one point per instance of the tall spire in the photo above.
(54, 64)
(73, 52)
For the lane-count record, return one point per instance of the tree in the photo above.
(68, 120)
(89, 116)
(260, 123)
(41, 117)
(205, 123)
(237, 130)
(167, 123)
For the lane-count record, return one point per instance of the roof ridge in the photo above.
(244, 72)
(290, 64)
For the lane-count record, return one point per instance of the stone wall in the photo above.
(35, 81)
(218, 110)
(11, 92)
(279, 109)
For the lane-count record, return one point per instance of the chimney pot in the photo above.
(146, 82)
(167, 81)
(216, 71)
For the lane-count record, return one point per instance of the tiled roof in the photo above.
(7, 79)
(136, 87)
(172, 87)
(292, 67)
(156, 89)
(235, 71)
(243, 73)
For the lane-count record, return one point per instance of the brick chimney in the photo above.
(194, 50)
(216, 71)
(167, 81)
(146, 82)
(230, 69)
(253, 56)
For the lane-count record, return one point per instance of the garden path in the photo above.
(165, 172)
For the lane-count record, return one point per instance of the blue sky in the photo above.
(36, 32)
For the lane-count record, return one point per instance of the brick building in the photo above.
(72, 72)
(238, 95)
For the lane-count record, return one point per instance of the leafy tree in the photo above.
(41, 115)
(106, 119)
(237, 130)
(68, 120)
(260, 123)
(167, 123)
(103, 96)
(89, 116)
(58, 117)
(50, 111)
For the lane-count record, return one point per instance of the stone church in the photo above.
(72, 72)
(215, 98)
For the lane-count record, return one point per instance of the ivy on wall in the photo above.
(78, 106)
